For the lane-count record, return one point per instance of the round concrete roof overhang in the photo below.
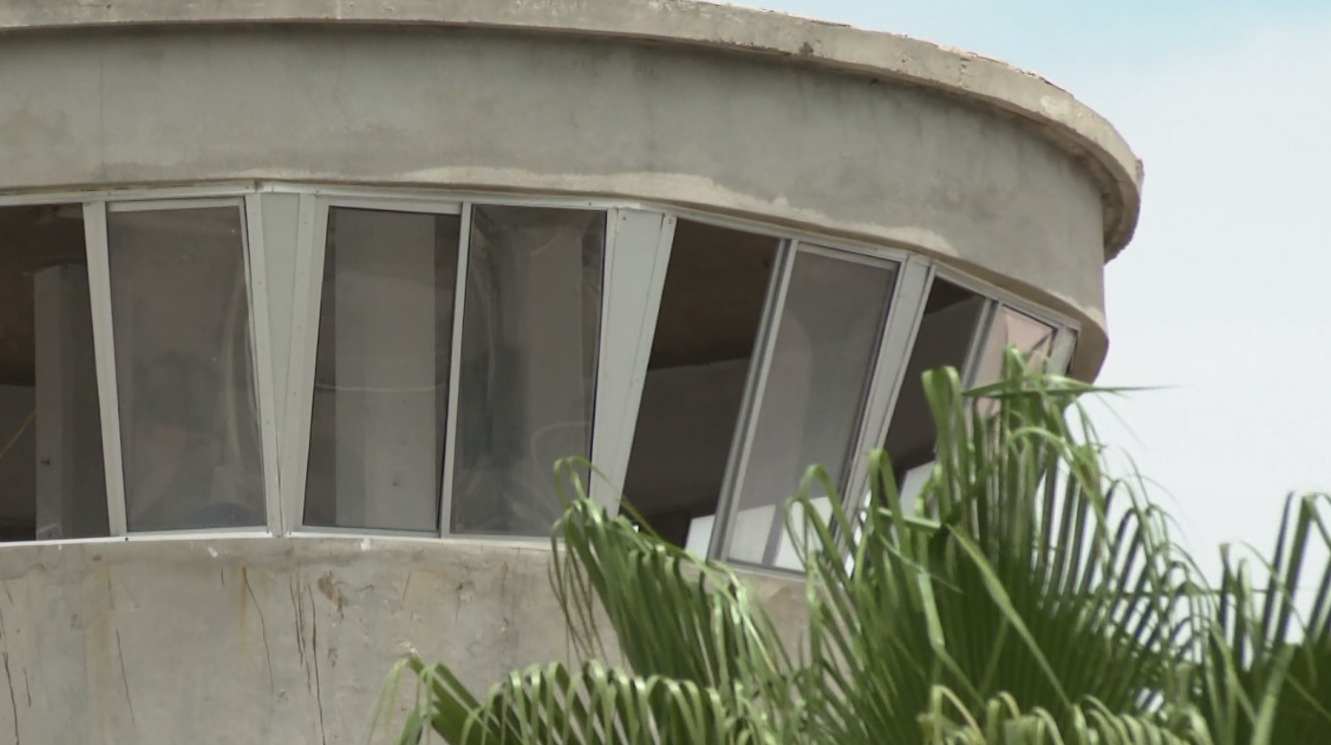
(1072, 147)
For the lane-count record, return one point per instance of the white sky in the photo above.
(1224, 296)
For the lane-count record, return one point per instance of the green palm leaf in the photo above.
(1032, 585)
(1268, 671)
(1028, 598)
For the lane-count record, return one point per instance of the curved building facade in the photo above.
(300, 300)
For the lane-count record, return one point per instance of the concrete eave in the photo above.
(1050, 110)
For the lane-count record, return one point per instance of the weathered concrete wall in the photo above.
(793, 143)
(262, 640)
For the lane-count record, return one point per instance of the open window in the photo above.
(52, 482)
(952, 320)
(969, 332)
(812, 398)
(1009, 327)
(707, 328)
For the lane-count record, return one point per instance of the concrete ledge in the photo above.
(1054, 113)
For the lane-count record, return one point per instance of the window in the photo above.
(813, 397)
(189, 426)
(52, 477)
(530, 337)
(1035, 340)
(705, 338)
(441, 356)
(947, 332)
(381, 385)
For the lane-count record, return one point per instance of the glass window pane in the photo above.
(52, 476)
(529, 343)
(185, 376)
(812, 403)
(1034, 339)
(706, 330)
(381, 376)
(947, 331)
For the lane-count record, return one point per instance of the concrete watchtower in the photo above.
(300, 299)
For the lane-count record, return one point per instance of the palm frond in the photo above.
(1035, 584)
(1002, 722)
(673, 614)
(1268, 671)
(1028, 598)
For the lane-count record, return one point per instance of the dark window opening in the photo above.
(711, 308)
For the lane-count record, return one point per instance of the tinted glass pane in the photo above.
(52, 477)
(529, 344)
(381, 378)
(810, 412)
(189, 428)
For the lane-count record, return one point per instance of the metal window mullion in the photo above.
(312, 228)
(454, 375)
(889, 371)
(601, 408)
(173, 204)
(975, 354)
(1065, 346)
(256, 286)
(637, 259)
(850, 256)
(389, 203)
(742, 444)
(99, 288)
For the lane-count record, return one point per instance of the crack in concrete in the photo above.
(124, 680)
(299, 607)
(263, 625)
(314, 654)
(402, 601)
(4, 654)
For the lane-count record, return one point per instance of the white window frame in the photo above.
(639, 237)
(723, 529)
(310, 257)
(637, 257)
(95, 213)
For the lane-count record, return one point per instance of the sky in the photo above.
(1222, 302)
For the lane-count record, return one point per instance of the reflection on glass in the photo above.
(711, 308)
(52, 477)
(1035, 340)
(185, 375)
(814, 395)
(529, 344)
(1010, 328)
(381, 376)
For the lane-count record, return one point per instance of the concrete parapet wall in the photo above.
(263, 640)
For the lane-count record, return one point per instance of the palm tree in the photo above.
(1028, 598)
